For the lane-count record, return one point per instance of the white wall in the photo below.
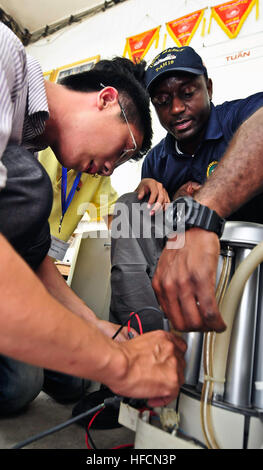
(235, 65)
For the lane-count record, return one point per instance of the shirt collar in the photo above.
(213, 132)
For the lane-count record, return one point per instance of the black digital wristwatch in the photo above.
(185, 212)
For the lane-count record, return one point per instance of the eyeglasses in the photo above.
(127, 153)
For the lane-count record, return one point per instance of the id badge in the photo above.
(58, 248)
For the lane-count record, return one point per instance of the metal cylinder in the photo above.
(222, 281)
(246, 342)
(257, 386)
(243, 237)
(193, 357)
(239, 370)
(194, 353)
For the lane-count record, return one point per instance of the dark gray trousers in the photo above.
(25, 205)
(137, 241)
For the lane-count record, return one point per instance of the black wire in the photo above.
(88, 412)
(119, 330)
(137, 311)
(58, 427)
(149, 308)
(107, 402)
(122, 326)
(90, 439)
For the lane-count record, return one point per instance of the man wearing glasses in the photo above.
(92, 190)
(42, 322)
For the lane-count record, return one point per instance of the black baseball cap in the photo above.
(183, 59)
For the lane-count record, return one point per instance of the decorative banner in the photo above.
(183, 29)
(231, 15)
(138, 46)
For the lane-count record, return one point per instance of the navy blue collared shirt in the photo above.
(173, 169)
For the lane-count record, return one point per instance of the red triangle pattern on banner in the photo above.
(183, 29)
(231, 15)
(137, 46)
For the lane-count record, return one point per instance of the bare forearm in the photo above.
(35, 328)
(239, 176)
(58, 288)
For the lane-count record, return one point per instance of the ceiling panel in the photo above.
(36, 14)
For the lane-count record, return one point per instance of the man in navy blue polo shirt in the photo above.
(198, 134)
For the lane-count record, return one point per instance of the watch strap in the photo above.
(198, 215)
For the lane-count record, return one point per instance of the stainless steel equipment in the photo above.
(242, 391)
(257, 386)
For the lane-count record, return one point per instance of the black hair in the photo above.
(128, 79)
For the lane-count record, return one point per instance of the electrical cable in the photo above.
(148, 307)
(88, 436)
(139, 323)
(94, 410)
(88, 439)
(124, 446)
(128, 321)
(140, 310)
(119, 329)
(56, 428)
(107, 402)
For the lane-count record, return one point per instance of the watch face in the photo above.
(180, 213)
(189, 213)
(184, 212)
(169, 217)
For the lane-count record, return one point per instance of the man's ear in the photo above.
(108, 96)
(209, 85)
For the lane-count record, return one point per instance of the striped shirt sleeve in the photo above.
(13, 92)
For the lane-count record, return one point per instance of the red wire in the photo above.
(89, 426)
(138, 320)
(152, 413)
(87, 441)
(139, 323)
(99, 411)
(90, 423)
(123, 446)
(129, 322)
